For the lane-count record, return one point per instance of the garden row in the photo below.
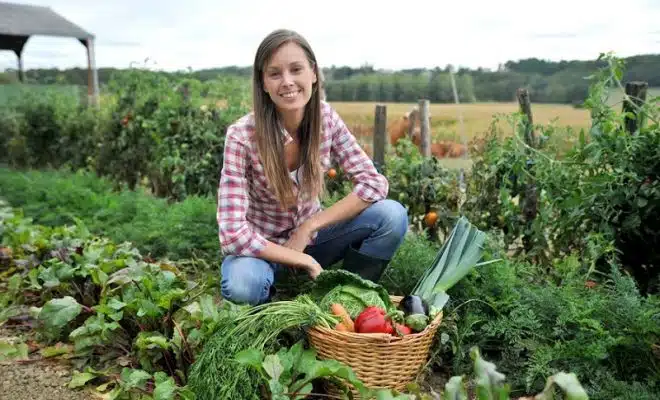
(151, 130)
(136, 324)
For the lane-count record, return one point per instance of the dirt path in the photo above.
(37, 378)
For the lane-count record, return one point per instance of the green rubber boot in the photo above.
(367, 267)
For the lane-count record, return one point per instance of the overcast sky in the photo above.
(402, 34)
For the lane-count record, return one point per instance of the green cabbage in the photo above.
(349, 290)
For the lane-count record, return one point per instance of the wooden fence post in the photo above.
(529, 201)
(380, 135)
(637, 96)
(425, 129)
(526, 108)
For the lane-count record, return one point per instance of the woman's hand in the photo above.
(310, 265)
(301, 237)
(298, 241)
(314, 268)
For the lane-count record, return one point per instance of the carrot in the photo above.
(340, 311)
(341, 327)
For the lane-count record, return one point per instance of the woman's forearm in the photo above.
(344, 209)
(276, 253)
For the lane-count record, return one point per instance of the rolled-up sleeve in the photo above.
(369, 184)
(236, 236)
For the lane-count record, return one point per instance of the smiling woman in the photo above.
(269, 213)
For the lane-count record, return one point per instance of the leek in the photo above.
(458, 255)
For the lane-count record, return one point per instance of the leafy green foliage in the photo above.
(48, 128)
(13, 351)
(265, 327)
(422, 184)
(289, 373)
(533, 326)
(490, 383)
(155, 131)
(598, 199)
(117, 310)
(182, 230)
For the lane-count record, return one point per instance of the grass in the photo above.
(8, 92)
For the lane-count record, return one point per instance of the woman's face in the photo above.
(288, 78)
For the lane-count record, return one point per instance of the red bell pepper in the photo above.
(373, 320)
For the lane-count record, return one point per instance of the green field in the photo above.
(10, 92)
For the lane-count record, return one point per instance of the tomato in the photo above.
(403, 329)
(430, 218)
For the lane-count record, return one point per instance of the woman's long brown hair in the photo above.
(270, 141)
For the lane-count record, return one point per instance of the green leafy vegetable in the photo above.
(57, 313)
(289, 372)
(417, 322)
(216, 374)
(457, 256)
(349, 290)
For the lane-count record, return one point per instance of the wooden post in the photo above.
(92, 74)
(529, 201)
(526, 108)
(380, 135)
(21, 73)
(425, 129)
(636, 92)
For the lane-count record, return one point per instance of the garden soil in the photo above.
(36, 378)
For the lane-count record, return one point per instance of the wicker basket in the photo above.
(378, 360)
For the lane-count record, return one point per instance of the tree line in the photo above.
(547, 81)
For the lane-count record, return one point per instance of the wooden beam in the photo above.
(21, 72)
(15, 43)
(380, 135)
(92, 74)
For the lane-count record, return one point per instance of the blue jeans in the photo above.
(376, 232)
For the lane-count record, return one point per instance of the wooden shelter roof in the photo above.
(25, 20)
(20, 21)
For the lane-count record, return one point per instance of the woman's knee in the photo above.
(392, 215)
(246, 280)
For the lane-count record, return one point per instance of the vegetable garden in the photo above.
(109, 259)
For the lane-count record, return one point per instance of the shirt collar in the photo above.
(285, 133)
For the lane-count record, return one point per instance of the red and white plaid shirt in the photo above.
(248, 213)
